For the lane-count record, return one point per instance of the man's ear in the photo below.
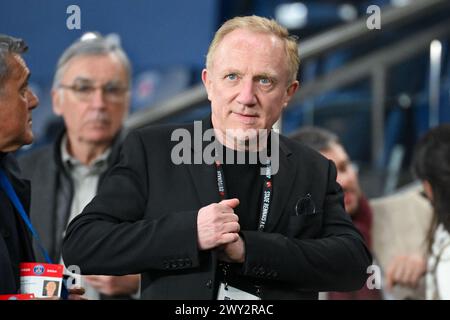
(290, 91)
(57, 100)
(206, 81)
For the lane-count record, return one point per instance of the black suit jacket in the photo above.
(144, 220)
(15, 241)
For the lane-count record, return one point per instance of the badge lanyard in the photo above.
(266, 195)
(265, 204)
(7, 186)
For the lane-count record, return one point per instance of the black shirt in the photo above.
(243, 181)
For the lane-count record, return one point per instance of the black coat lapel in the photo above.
(282, 184)
(204, 176)
(22, 189)
(204, 179)
(43, 217)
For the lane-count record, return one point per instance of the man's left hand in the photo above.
(233, 252)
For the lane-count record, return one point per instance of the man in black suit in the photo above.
(16, 103)
(200, 227)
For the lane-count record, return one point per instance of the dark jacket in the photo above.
(144, 220)
(50, 209)
(15, 241)
(362, 219)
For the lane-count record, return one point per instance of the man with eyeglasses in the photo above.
(91, 93)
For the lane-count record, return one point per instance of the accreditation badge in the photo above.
(41, 279)
(227, 292)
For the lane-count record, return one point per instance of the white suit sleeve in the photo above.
(443, 274)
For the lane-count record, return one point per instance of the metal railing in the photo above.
(374, 65)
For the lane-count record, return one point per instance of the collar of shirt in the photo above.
(72, 165)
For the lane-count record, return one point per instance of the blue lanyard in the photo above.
(6, 185)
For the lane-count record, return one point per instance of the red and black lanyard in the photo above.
(265, 206)
(266, 195)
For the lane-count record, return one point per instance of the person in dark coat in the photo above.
(16, 103)
(199, 226)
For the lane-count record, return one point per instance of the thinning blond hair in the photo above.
(263, 25)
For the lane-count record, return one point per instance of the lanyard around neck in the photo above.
(266, 195)
(6, 185)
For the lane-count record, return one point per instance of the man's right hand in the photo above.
(405, 270)
(217, 224)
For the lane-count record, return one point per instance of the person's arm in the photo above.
(335, 261)
(405, 270)
(111, 236)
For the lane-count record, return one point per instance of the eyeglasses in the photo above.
(113, 93)
(346, 167)
(12, 44)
